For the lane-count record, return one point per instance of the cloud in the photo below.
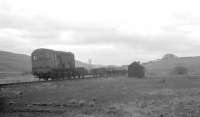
(105, 44)
(88, 41)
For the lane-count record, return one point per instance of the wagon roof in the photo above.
(49, 50)
(64, 52)
(42, 49)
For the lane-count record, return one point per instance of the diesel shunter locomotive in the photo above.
(50, 64)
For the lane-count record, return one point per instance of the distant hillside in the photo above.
(12, 62)
(165, 66)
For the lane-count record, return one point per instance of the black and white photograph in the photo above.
(99, 58)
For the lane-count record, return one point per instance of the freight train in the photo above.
(56, 65)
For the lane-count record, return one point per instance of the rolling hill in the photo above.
(12, 62)
(165, 66)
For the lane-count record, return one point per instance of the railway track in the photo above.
(42, 81)
(19, 83)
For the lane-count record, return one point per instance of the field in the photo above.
(106, 97)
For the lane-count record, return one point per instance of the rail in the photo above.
(42, 81)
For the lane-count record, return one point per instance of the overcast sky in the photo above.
(106, 31)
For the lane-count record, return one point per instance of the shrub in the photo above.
(180, 70)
